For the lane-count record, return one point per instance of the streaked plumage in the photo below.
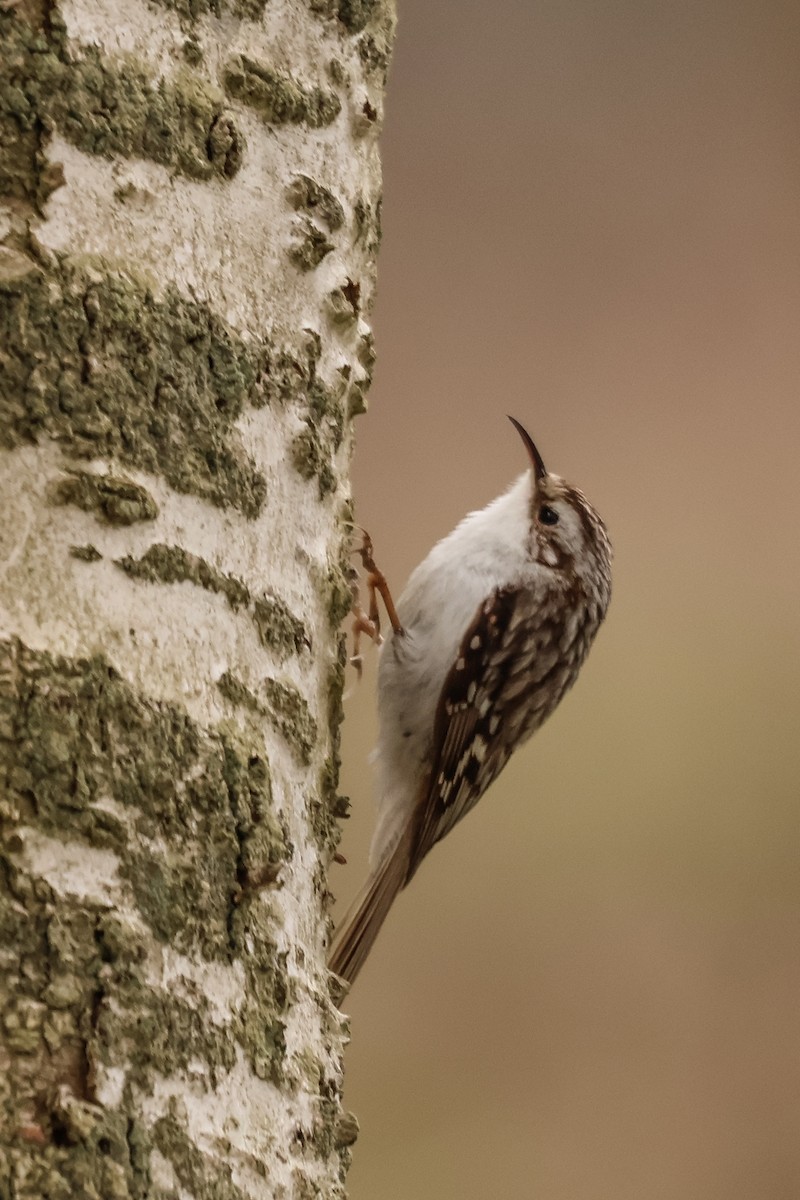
(497, 621)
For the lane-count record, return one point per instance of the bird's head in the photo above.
(567, 532)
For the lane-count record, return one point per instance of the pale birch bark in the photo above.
(189, 220)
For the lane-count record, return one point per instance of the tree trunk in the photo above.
(189, 219)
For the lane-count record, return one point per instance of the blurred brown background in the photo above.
(592, 221)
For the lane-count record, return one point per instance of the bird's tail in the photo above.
(353, 939)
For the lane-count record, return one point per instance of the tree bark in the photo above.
(189, 221)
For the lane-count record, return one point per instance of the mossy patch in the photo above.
(195, 793)
(278, 97)
(375, 54)
(188, 811)
(294, 376)
(114, 499)
(340, 578)
(264, 843)
(310, 246)
(239, 693)
(195, 10)
(281, 703)
(87, 553)
(328, 807)
(95, 362)
(311, 459)
(201, 1177)
(277, 626)
(318, 201)
(197, 838)
(291, 714)
(104, 106)
(173, 564)
(318, 207)
(367, 223)
(344, 304)
(355, 14)
(225, 145)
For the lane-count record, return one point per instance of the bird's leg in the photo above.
(370, 623)
(377, 585)
(361, 624)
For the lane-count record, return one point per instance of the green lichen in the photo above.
(283, 377)
(190, 11)
(173, 564)
(295, 376)
(278, 627)
(318, 201)
(238, 693)
(338, 72)
(355, 14)
(200, 837)
(192, 51)
(87, 553)
(226, 145)
(172, 1026)
(95, 362)
(247, 10)
(375, 54)
(264, 844)
(337, 580)
(291, 714)
(278, 97)
(111, 108)
(311, 459)
(366, 352)
(260, 1024)
(114, 499)
(367, 223)
(310, 246)
(344, 304)
(183, 786)
(202, 1177)
(104, 106)
(306, 1187)
(282, 704)
(328, 807)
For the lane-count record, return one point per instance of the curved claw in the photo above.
(370, 623)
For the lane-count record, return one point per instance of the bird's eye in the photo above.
(548, 515)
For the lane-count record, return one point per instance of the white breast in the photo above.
(487, 550)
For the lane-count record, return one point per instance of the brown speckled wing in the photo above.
(470, 749)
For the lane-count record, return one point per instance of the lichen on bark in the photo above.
(188, 816)
(282, 703)
(103, 106)
(115, 499)
(277, 96)
(95, 361)
(277, 626)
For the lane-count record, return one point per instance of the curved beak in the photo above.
(539, 469)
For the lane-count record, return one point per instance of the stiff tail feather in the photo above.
(353, 939)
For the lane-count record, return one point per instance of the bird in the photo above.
(488, 635)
